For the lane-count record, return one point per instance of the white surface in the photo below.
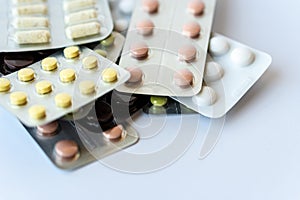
(257, 156)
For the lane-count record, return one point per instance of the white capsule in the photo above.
(83, 30)
(32, 37)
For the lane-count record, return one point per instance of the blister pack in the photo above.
(166, 47)
(231, 70)
(59, 84)
(41, 24)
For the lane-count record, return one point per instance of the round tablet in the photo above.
(4, 85)
(87, 87)
(187, 53)
(109, 75)
(26, 74)
(63, 100)
(218, 46)
(206, 97)
(48, 129)
(196, 7)
(49, 64)
(121, 25)
(90, 62)
(114, 133)
(71, 52)
(136, 74)
(191, 29)
(108, 41)
(103, 112)
(66, 149)
(67, 75)
(18, 98)
(126, 6)
(150, 6)
(16, 61)
(183, 78)
(43, 87)
(242, 56)
(101, 52)
(37, 112)
(158, 101)
(213, 72)
(139, 50)
(145, 27)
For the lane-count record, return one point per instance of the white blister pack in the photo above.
(167, 44)
(42, 24)
(231, 70)
(58, 85)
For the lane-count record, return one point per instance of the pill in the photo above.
(27, 1)
(187, 53)
(206, 97)
(32, 37)
(78, 4)
(136, 74)
(49, 63)
(83, 30)
(196, 7)
(30, 22)
(4, 85)
(63, 100)
(126, 6)
(90, 62)
(16, 61)
(66, 149)
(48, 129)
(87, 87)
(158, 101)
(150, 6)
(109, 75)
(183, 78)
(108, 41)
(18, 98)
(67, 75)
(145, 27)
(139, 50)
(242, 56)
(71, 52)
(33, 9)
(213, 72)
(81, 16)
(121, 25)
(191, 29)
(37, 112)
(26, 74)
(101, 52)
(114, 133)
(43, 87)
(218, 46)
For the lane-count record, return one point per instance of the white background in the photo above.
(257, 156)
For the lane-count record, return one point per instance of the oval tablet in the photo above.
(87, 87)
(183, 78)
(43, 87)
(218, 46)
(145, 27)
(66, 149)
(136, 74)
(49, 64)
(206, 97)
(18, 98)
(139, 50)
(114, 133)
(191, 29)
(71, 52)
(150, 6)
(26, 74)
(67, 75)
(196, 7)
(158, 101)
(90, 62)
(213, 72)
(109, 75)
(242, 56)
(187, 53)
(48, 129)
(63, 100)
(37, 112)
(4, 85)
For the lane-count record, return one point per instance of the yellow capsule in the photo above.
(49, 64)
(4, 85)
(26, 75)
(37, 112)
(90, 62)
(87, 87)
(67, 75)
(63, 100)
(18, 98)
(71, 52)
(109, 75)
(43, 87)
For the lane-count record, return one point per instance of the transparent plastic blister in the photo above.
(72, 86)
(231, 70)
(40, 25)
(164, 30)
